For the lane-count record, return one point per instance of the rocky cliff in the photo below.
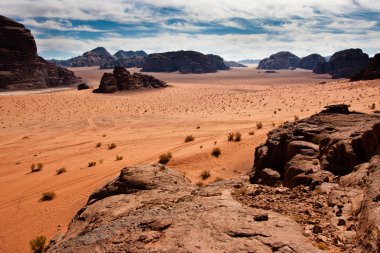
(185, 62)
(372, 71)
(310, 61)
(121, 79)
(21, 67)
(343, 64)
(280, 60)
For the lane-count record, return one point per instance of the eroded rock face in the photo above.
(21, 67)
(121, 80)
(156, 209)
(280, 60)
(185, 62)
(310, 61)
(371, 72)
(131, 62)
(316, 149)
(343, 64)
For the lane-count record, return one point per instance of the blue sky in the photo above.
(234, 29)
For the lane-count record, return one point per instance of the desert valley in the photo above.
(185, 152)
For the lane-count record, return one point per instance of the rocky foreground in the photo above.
(332, 203)
(21, 67)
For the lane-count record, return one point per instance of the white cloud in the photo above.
(63, 25)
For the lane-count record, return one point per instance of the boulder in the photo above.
(185, 62)
(310, 61)
(121, 79)
(280, 60)
(156, 209)
(371, 72)
(83, 86)
(343, 64)
(21, 67)
(305, 151)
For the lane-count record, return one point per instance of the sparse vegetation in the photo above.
(98, 145)
(296, 118)
(205, 174)
(47, 196)
(36, 168)
(216, 152)
(91, 164)
(373, 106)
(237, 137)
(230, 137)
(251, 133)
(111, 146)
(37, 245)
(61, 171)
(165, 158)
(259, 125)
(189, 138)
(234, 137)
(119, 157)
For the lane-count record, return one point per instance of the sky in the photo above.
(233, 29)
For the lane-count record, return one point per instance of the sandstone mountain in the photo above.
(372, 71)
(344, 64)
(234, 64)
(128, 54)
(21, 67)
(185, 62)
(310, 61)
(121, 80)
(280, 60)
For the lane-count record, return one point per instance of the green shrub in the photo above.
(47, 196)
(216, 152)
(37, 245)
(61, 171)
(165, 158)
(189, 138)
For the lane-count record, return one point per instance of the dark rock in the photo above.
(341, 222)
(371, 72)
(234, 64)
(131, 62)
(129, 54)
(121, 79)
(83, 86)
(270, 71)
(185, 62)
(343, 64)
(261, 217)
(310, 61)
(311, 151)
(280, 60)
(21, 67)
(317, 229)
(269, 176)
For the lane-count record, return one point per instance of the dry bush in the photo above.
(111, 146)
(36, 168)
(47, 196)
(119, 157)
(205, 174)
(259, 125)
(216, 152)
(61, 171)
(189, 138)
(37, 245)
(165, 158)
(91, 164)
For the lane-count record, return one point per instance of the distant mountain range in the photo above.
(249, 61)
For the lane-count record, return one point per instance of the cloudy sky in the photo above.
(234, 29)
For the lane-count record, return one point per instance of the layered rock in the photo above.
(280, 60)
(343, 64)
(371, 72)
(310, 61)
(121, 79)
(156, 209)
(185, 62)
(21, 67)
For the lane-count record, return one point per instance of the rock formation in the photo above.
(280, 60)
(372, 71)
(156, 209)
(234, 64)
(310, 61)
(131, 62)
(185, 62)
(129, 54)
(91, 58)
(343, 64)
(327, 144)
(121, 79)
(21, 67)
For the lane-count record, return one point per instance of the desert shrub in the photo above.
(47, 196)
(119, 158)
(61, 171)
(230, 137)
(37, 245)
(237, 137)
(165, 158)
(296, 118)
(189, 138)
(98, 145)
(373, 106)
(111, 146)
(36, 168)
(198, 127)
(91, 164)
(205, 174)
(259, 125)
(201, 146)
(251, 133)
(216, 152)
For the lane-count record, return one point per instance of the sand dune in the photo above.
(61, 129)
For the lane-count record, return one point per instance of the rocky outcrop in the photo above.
(310, 61)
(132, 62)
(83, 86)
(185, 62)
(21, 67)
(129, 54)
(317, 149)
(91, 58)
(121, 79)
(280, 60)
(234, 64)
(156, 209)
(343, 64)
(371, 72)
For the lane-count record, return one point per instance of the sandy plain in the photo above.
(61, 128)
